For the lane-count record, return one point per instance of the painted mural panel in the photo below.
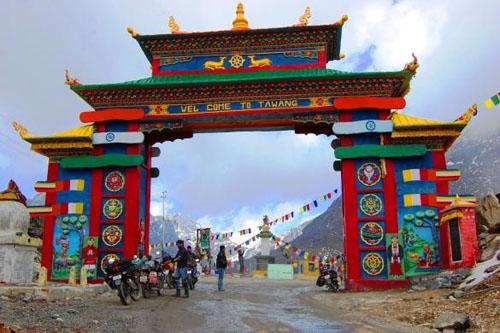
(395, 257)
(237, 61)
(373, 265)
(419, 232)
(368, 174)
(371, 233)
(418, 225)
(89, 256)
(371, 204)
(70, 233)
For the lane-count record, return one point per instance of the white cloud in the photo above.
(156, 207)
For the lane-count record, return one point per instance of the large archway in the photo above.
(392, 166)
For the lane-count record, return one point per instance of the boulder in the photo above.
(488, 212)
(456, 321)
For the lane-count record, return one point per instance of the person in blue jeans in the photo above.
(181, 258)
(221, 266)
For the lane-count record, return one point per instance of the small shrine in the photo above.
(17, 249)
(266, 239)
(458, 235)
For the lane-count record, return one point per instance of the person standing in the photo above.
(221, 265)
(241, 261)
(181, 258)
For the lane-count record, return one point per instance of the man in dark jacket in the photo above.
(241, 261)
(221, 265)
(181, 258)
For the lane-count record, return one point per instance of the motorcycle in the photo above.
(122, 275)
(168, 267)
(152, 278)
(193, 276)
(328, 276)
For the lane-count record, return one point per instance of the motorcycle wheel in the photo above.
(124, 295)
(146, 290)
(170, 281)
(136, 290)
(162, 286)
(191, 284)
(320, 282)
(333, 287)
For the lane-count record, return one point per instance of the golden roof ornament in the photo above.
(19, 129)
(132, 32)
(69, 80)
(467, 115)
(304, 19)
(413, 65)
(342, 20)
(240, 22)
(174, 27)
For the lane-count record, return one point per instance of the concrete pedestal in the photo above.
(17, 263)
(263, 261)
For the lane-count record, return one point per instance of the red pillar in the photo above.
(48, 228)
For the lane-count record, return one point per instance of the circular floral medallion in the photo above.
(105, 260)
(112, 235)
(370, 204)
(369, 174)
(112, 209)
(114, 181)
(373, 263)
(371, 233)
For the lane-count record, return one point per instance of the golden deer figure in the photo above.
(260, 62)
(215, 64)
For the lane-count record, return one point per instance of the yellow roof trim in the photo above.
(404, 120)
(426, 133)
(84, 132)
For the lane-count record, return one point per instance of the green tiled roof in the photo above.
(276, 75)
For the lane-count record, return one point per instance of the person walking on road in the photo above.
(241, 261)
(221, 265)
(181, 258)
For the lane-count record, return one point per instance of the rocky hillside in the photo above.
(325, 231)
(478, 158)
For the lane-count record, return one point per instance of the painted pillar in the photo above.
(48, 228)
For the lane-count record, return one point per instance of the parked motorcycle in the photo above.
(328, 276)
(168, 267)
(152, 278)
(122, 275)
(193, 276)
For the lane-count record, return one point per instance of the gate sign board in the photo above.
(280, 272)
(117, 137)
(363, 126)
(247, 79)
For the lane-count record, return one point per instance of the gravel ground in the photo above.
(247, 305)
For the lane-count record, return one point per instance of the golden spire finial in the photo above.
(304, 19)
(342, 20)
(457, 199)
(174, 27)
(132, 32)
(240, 22)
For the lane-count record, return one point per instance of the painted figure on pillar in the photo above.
(395, 256)
(90, 251)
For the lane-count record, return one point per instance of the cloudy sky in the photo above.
(231, 180)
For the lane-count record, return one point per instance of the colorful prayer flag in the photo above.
(315, 203)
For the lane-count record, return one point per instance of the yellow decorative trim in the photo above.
(342, 20)
(20, 129)
(61, 145)
(451, 216)
(84, 132)
(426, 133)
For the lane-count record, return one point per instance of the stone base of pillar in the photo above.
(263, 261)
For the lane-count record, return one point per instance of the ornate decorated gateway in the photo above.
(394, 175)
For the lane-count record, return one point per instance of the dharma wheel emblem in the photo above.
(112, 209)
(373, 264)
(110, 137)
(237, 61)
(369, 174)
(112, 235)
(370, 125)
(370, 204)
